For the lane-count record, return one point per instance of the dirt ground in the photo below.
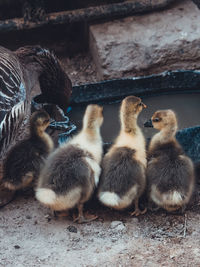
(29, 236)
(80, 68)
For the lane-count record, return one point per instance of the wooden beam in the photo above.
(97, 13)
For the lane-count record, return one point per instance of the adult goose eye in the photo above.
(156, 120)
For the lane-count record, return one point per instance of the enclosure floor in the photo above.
(80, 68)
(29, 237)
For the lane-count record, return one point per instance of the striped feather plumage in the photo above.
(19, 72)
(55, 85)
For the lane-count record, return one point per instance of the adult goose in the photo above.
(20, 72)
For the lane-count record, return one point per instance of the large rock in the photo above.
(151, 43)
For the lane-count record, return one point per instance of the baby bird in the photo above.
(20, 72)
(22, 164)
(170, 173)
(123, 179)
(72, 171)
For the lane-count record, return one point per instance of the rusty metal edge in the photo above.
(87, 14)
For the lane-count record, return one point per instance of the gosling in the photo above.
(123, 179)
(170, 173)
(71, 173)
(24, 160)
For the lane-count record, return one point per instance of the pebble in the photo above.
(136, 235)
(47, 217)
(134, 220)
(117, 225)
(72, 229)
(17, 247)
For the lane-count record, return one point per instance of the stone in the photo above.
(134, 220)
(147, 44)
(114, 239)
(17, 247)
(72, 229)
(117, 226)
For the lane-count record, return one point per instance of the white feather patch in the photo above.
(58, 202)
(45, 196)
(96, 169)
(171, 198)
(110, 199)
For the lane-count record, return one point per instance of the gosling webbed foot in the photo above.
(82, 218)
(138, 212)
(153, 208)
(60, 214)
(85, 219)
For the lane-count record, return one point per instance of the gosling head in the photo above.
(93, 117)
(132, 105)
(39, 121)
(162, 120)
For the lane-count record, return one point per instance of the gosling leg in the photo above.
(83, 219)
(137, 211)
(60, 214)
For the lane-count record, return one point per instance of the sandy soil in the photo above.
(30, 237)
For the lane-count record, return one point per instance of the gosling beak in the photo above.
(144, 106)
(148, 123)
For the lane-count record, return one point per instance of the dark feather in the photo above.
(120, 172)
(55, 85)
(167, 170)
(27, 156)
(19, 72)
(66, 169)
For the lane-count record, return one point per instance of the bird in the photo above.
(23, 162)
(20, 71)
(123, 178)
(71, 173)
(170, 173)
(55, 85)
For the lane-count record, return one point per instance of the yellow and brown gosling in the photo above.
(170, 173)
(71, 173)
(123, 179)
(23, 162)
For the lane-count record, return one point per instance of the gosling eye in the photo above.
(140, 104)
(156, 120)
(46, 121)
